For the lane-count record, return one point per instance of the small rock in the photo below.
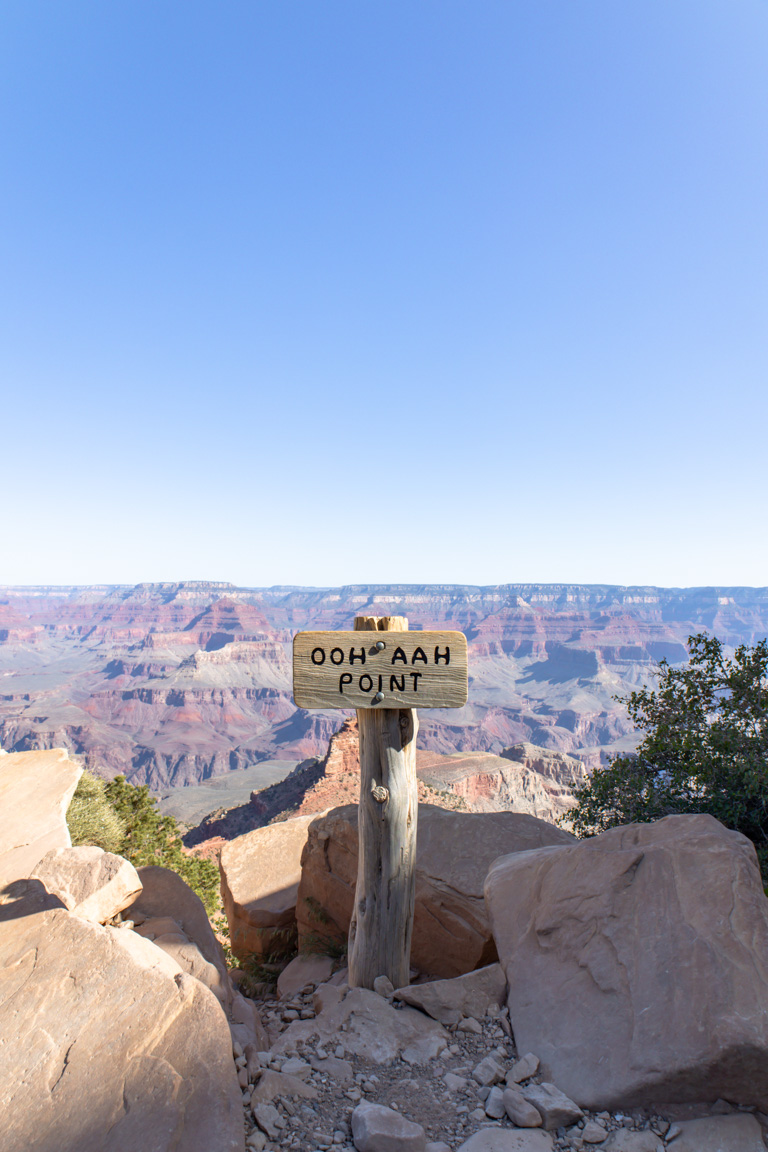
(383, 986)
(268, 1119)
(523, 1069)
(437, 1146)
(489, 1072)
(478, 1114)
(333, 1067)
(593, 1133)
(557, 1110)
(256, 1141)
(470, 1025)
(453, 1082)
(274, 1084)
(494, 1105)
(379, 1129)
(519, 1110)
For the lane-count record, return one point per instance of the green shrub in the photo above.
(124, 818)
(704, 748)
(91, 817)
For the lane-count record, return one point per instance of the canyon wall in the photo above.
(172, 684)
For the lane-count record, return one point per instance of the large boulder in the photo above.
(107, 1044)
(165, 895)
(89, 882)
(173, 917)
(637, 963)
(451, 931)
(35, 792)
(260, 874)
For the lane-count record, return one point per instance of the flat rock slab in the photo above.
(379, 1129)
(737, 1133)
(107, 1044)
(35, 791)
(451, 931)
(638, 963)
(89, 882)
(507, 1140)
(625, 1140)
(273, 1084)
(260, 875)
(450, 1001)
(301, 971)
(367, 1026)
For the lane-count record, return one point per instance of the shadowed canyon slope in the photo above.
(172, 684)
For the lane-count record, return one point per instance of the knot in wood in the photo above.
(379, 792)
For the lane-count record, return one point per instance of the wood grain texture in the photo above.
(416, 670)
(382, 918)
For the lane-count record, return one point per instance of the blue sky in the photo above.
(329, 292)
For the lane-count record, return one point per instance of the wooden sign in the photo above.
(380, 669)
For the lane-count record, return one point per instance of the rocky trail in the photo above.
(565, 995)
(476, 1093)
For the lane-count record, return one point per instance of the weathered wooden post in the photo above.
(382, 918)
(384, 679)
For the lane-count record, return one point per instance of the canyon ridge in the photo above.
(176, 684)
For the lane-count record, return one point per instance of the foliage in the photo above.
(91, 818)
(704, 749)
(325, 942)
(123, 818)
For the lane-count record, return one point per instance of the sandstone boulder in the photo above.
(260, 875)
(107, 1044)
(449, 1001)
(165, 894)
(35, 791)
(173, 917)
(451, 932)
(89, 882)
(637, 963)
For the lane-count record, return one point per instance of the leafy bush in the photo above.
(91, 817)
(705, 748)
(123, 818)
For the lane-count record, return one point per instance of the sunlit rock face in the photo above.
(175, 683)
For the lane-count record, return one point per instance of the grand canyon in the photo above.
(176, 684)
